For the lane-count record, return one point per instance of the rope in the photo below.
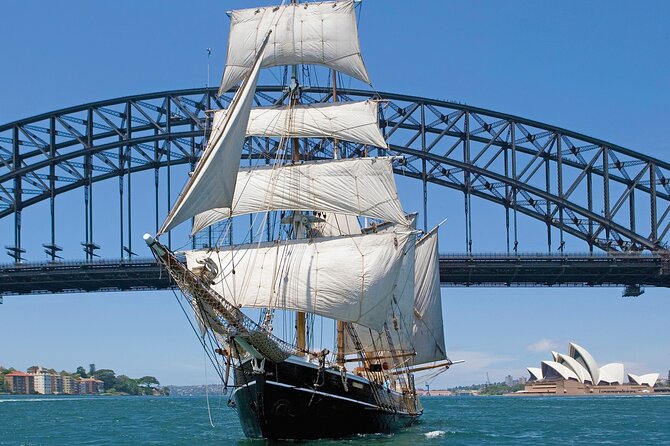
(209, 411)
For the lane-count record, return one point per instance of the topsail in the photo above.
(310, 33)
(356, 186)
(349, 121)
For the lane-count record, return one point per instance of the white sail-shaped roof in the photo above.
(584, 358)
(348, 121)
(428, 326)
(535, 373)
(213, 181)
(581, 372)
(359, 186)
(644, 380)
(611, 374)
(554, 370)
(348, 278)
(309, 33)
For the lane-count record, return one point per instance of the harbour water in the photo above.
(39, 420)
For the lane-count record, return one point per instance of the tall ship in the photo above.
(320, 317)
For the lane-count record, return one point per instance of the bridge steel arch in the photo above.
(612, 198)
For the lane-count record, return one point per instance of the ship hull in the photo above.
(296, 400)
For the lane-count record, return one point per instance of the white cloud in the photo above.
(543, 345)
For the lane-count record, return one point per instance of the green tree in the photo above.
(107, 376)
(81, 372)
(147, 381)
(91, 369)
(127, 385)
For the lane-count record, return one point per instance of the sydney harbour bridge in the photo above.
(610, 201)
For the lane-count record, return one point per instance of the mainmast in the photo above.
(340, 325)
(300, 317)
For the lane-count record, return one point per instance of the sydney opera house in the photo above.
(577, 373)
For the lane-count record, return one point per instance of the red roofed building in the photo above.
(89, 386)
(20, 382)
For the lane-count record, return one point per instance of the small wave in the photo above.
(434, 434)
(27, 400)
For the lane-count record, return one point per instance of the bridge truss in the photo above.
(613, 199)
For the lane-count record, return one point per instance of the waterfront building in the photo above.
(43, 382)
(56, 384)
(69, 385)
(578, 373)
(90, 386)
(20, 382)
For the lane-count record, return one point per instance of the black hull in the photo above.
(283, 403)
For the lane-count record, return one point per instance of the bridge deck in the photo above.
(455, 270)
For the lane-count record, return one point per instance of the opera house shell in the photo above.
(577, 372)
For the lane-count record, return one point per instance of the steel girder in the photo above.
(611, 197)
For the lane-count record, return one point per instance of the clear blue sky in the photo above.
(599, 68)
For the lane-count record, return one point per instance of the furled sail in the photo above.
(428, 325)
(359, 186)
(212, 184)
(350, 278)
(349, 121)
(310, 33)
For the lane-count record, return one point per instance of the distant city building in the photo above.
(19, 382)
(69, 385)
(56, 384)
(509, 381)
(578, 373)
(90, 386)
(42, 382)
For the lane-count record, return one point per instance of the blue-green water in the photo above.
(447, 421)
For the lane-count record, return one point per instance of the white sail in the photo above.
(428, 326)
(309, 33)
(349, 278)
(359, 186)
(339, 224)
(424, 317)
(213, 182)
(349, 121)
(400, 317)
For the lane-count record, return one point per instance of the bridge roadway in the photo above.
(455, 270)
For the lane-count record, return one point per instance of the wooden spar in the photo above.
(336, 148)
(369, 357)
(300, 318)
(445, 364)
(340, 325)
(340, 345)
